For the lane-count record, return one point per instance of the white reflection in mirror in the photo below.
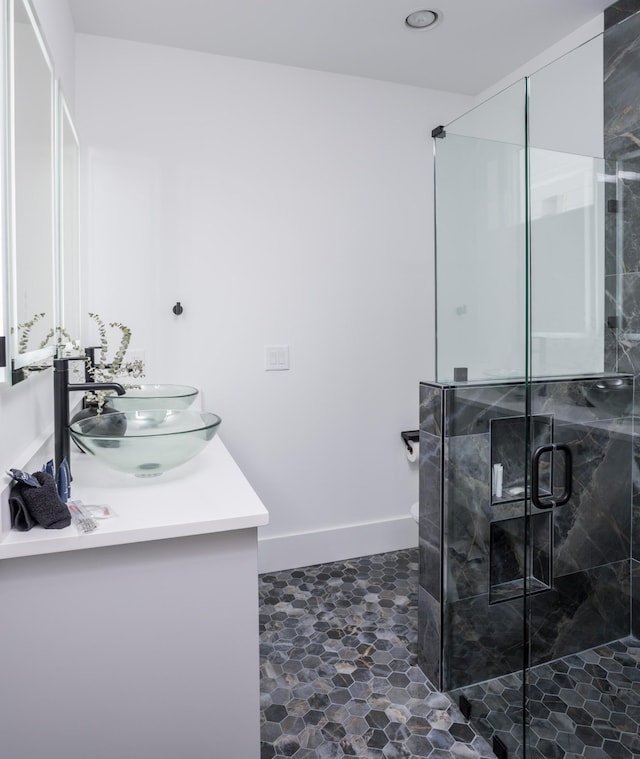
(69, 248)
(32, 260)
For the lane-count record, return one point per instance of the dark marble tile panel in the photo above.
(627, 231)
(611, 219)
(629, 289)
(469, 410)
(430, 494)
(635, 598)
(612, 312)
(582, 610)
(583, 400)
(621, 93)
(594, 527)
(429, 637)
(481, 640)
(539, 568)
(467, 512)
(635, 506)
(430, 576)
(620, 11)
(431, 409)
(628, 351)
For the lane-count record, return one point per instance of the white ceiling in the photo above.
(478, 42)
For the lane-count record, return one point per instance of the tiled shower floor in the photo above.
(585, 706)
(339, 678)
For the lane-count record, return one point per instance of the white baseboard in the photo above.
(308, 548)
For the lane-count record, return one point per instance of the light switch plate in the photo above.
(276, 358)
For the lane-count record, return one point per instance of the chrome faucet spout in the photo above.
(61, 389)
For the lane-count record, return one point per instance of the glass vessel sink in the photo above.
(154, 397)
(145, 442)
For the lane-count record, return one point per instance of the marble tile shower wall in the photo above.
(471, 566)
(622, 220)
(430, 533)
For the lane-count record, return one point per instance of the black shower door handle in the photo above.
(549, 503)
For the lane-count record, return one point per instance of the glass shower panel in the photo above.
(481, 445)
(480, 242)
(567, 212)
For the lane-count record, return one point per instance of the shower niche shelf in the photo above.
(512, 570)
(507, 450)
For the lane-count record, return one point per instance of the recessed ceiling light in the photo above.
(423, 19)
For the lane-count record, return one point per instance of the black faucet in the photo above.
(61, 389)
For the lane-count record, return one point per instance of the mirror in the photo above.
(68, 230)
(30, 193)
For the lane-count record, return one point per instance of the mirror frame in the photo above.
(64, 121)
(22, 363)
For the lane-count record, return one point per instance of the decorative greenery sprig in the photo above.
(62, 340)
(59, 333)
(105, 371)
(24, 330)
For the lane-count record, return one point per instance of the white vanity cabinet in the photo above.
(133, 642)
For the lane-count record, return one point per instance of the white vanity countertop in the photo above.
(207, 494)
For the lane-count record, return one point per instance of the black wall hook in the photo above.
(177, 309)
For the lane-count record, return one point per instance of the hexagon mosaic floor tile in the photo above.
(339, 678)
(584, 706)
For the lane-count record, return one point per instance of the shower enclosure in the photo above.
(528, 556)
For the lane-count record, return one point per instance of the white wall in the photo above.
(57, 25)
(26, 410)
(581, 35)
(280, 206)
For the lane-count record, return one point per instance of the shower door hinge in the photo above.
(499, 749)
(612, 205)
(465, 707)
(439, 132)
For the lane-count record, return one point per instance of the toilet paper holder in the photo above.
(410, 437)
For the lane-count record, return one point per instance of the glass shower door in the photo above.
(583, 665)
